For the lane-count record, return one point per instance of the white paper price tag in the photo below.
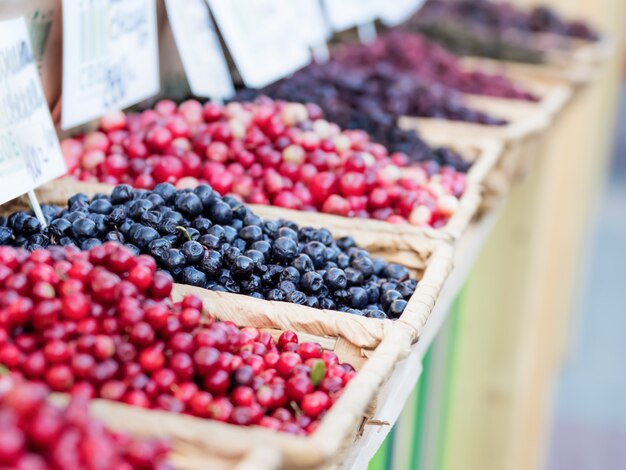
(261, 39)
(29, 150)
(312, 26)
(110, 57)
(345, 14)
(395, 12)
(200, 49)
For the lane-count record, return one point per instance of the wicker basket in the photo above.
(527, 120)
(258, 448)
(485, 156)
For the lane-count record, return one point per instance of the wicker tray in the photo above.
(484, 154)
(211, 442)
(527, 120)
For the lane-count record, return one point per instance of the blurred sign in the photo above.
(110, 57)
(346, 14)
(262, 38)
(394, 12)
(29, 150)
(199, 48)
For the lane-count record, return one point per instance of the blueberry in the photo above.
(270, 227)
(342, 296)
(193, 251)
(142, 236)
(201, 224)
(217, 231)
(311, 282)
(151, 218)
(287, 232)
(256, 295)
(376, 313)
(81, 199)
(220, 213)
(252, 284)
(290, 274)
(388, 297)
(193, 277)
(327, 304)
(251, 233)
(230, 234)
(242, 267)
(287, 287)
(101, 206)
(116, 216)
(343, 261)
(275, 294)
(206, 194)
(84, 228)
(239, 244)
(90, 243)
(251, 219)
(133, 249)
(166, 191)
(262, 247)
(312, 301)
(407, 288)
(364, 265)
(355, 278)
(174, 261)
(395, 271)
(114, 236)
(211, 264)
(345, 243)
(303, 263)
(336, 279)
(120, 194)
(211, 242)
(6, 235)
(315, 251)
(373, 293)
(284, 249)
(156, 200)
(30, 225)
(297, 297)
(358, 297)
(59, 227)
(228, 282)
(397, 307)
(189, 205)
(256, 256)
(231, 255)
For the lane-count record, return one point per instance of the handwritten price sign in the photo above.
(110, 57)
(29, 149)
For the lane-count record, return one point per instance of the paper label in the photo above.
(312, 25)
(262, 39)
(395, 12)
(29, 150)
(200, 49)
(110, 57)
(346, 14)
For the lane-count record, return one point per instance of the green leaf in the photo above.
(184, 230)
(318, 371)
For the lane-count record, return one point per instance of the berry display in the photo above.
(503, 19)
(372, 99)
(36, 435)
(268, 152)
(100, 323)
(217, 243)
(411, 53)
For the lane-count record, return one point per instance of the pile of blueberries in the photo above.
(205, 240)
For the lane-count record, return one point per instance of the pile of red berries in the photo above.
(408, 52)
(266, 152)
(101, 323)
(35, 435)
